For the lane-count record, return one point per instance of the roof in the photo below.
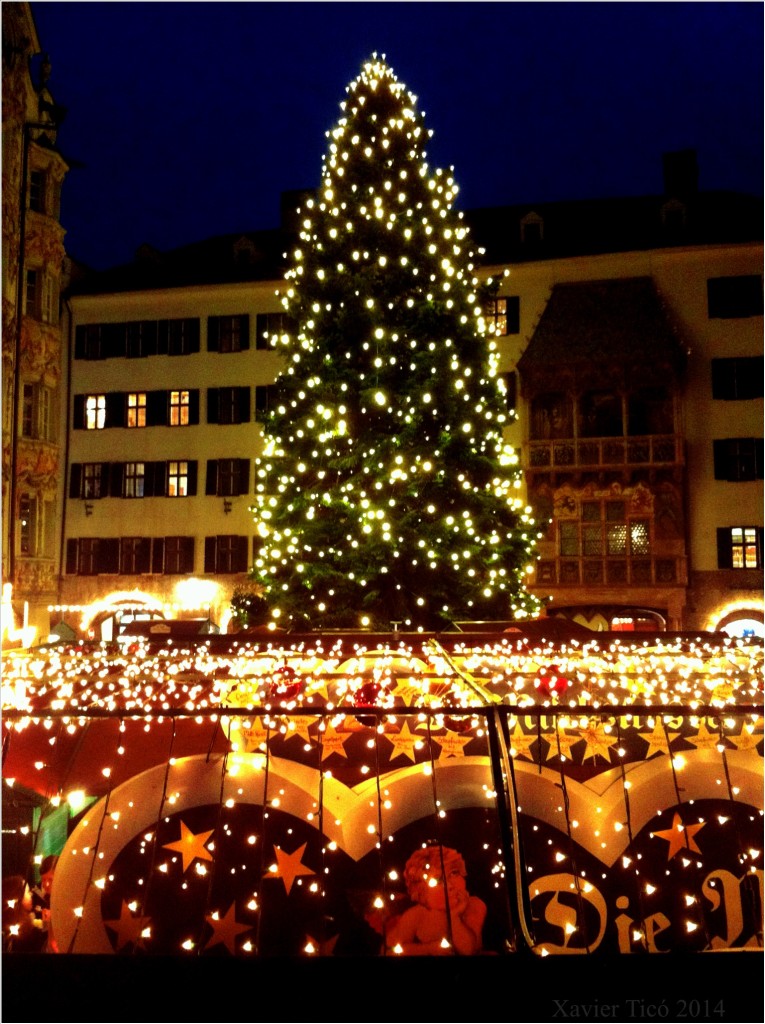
(591, 330)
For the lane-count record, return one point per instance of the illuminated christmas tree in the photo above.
(386, 492)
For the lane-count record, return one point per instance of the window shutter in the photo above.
(192, 326)
(72, 547)
(211, 483)
(158, 555)
(157, 408)
(722, 471)
(116, 476)
(191, 484)
(213, 333)
(75, 481)
(194, 406)
(143, 555)
(242, 482)
(116, 409)
(244, 328)
(163, 331)
(78, 421)
(243, 405)
(108, 555)
(213, 405)
(187, 554)
(240, 554)
(211, 544)
(724, 554)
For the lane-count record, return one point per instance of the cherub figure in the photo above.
(445, 918)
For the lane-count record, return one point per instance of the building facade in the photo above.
(631, 343)
(33, 352)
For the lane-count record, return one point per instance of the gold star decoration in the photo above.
(255, 737)
(225, 929)
(403, 743)
(521, 742)
(128, 928)
(659, 740)
(298, 725)
(680, 837)
(746, 740)
(289, 866)
(452, 744)
(191, 847)
(566, 743)
(704, 739)
(598, 741)
(333, 742)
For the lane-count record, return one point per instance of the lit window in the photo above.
(739, 547)
(177, 479)
(179, 408)
(95, 412)
(502, 315)
(134, 480)
(136, 409)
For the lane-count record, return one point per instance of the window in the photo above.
(225, 554)
(37, 412)
(141, 339)
(178, 337)
(28, 525)
(174, 555)
(37, 181)
(95, 412)
(135, 555)
(41, 296)
(91, 480)
(87, 342)
(738, 458)
(227, 478)
(532, 229)
(228, 405)
(89, 556)
(605, 544)
(179, 408)
(503, 315)
(228, 333)
(133, 480)
(600, 414)
(136, 409)
(269, 328)
(734, 297)
(739, 547)
(177, 479)
(264, 394)
(737, 378)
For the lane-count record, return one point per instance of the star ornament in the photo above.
(289, 866)
(226, 929)
(453, 744)
(659, 741)
(333, 742)
(128, 929)
(191, 847)
(404, 743)
(598, 741)
(680, 837)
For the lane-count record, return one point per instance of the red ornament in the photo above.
(367, 694)
(285, 684)
(550, 681)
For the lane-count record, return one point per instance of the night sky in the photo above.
(186, 120)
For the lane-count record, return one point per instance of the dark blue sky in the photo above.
(190, 119)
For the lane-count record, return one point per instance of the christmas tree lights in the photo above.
(386, 491)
